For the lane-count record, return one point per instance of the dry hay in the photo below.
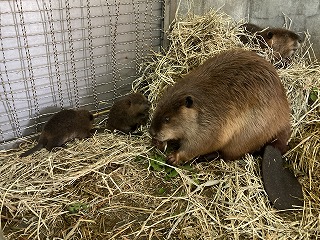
(104, 188)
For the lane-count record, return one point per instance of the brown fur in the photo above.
(233, 103)
(63, 127)
(283, 41)
(128, 113)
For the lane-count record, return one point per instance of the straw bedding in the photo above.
(104, 187)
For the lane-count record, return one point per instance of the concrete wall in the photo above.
(305, 15)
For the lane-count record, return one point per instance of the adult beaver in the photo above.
(283, 42)
(234, 103)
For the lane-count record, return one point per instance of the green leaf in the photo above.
(76, 207)
(195, 178)
(162, 190)
(187, 167)
(314, 94)
(157, 162)
(171, 173)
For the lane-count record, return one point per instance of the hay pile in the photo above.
(105, 188)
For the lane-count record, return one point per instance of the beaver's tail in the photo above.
(282, 187)
(32, 150)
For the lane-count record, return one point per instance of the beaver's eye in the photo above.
(166, 119)
(270, 35)
(141, 114)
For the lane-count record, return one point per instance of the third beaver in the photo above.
(233, 103)
(283, 41)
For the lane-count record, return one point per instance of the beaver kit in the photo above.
(128, 113)
(63, 127)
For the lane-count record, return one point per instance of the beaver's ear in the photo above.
(189, 102)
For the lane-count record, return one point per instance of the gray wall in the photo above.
(305, 15)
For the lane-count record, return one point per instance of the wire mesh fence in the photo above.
(58, 54)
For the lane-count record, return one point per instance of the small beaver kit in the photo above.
(63, 127)
(234, 103)
(283, 42)
(128, 113)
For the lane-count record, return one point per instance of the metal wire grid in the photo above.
(68, 54)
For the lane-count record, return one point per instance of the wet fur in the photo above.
(283, 41)
(128, 113)
(233, 103)
(63, 127)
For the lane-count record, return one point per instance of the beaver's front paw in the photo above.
(174, 159)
